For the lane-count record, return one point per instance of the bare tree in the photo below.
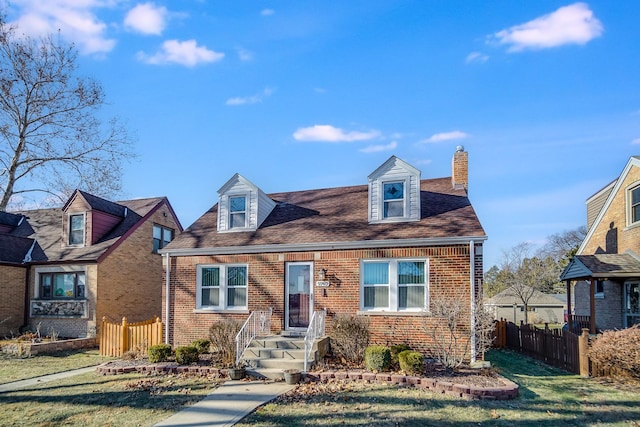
(51, 137)
(563, 246)
(528, 274)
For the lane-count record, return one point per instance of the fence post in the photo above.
(123, 337)
(583, 346)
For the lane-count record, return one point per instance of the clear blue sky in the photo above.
(544, 95)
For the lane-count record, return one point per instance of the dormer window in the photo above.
(76, 229)
(393, 195)
(243, 206)
(237, 212)
(394, 192)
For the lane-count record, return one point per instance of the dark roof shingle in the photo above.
(340, 215)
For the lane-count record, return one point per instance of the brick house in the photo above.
(606, 270)
(63, 269)
(386, 249)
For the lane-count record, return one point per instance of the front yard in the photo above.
(547, 397)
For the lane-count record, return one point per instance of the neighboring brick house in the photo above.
(385, 250)
(606, 269)
(63, 269)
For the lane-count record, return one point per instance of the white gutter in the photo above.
(321, 246)
(472, 275)
(167, 293)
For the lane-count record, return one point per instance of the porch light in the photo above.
(322, 274)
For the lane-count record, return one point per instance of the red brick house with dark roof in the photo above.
(384, 250)
(65, 268)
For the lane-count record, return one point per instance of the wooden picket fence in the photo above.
(118, 338)
(556, 347)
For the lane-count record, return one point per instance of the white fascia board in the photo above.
(323, 246)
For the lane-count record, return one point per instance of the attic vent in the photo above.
(126, 211)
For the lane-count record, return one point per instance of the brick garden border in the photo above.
(506, 392)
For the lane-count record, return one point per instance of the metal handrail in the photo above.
(258, 323)
(315, 330)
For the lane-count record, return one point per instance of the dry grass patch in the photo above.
(15, 369)
(93, 400)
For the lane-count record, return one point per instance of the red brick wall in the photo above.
(449, 278)
(12, 288)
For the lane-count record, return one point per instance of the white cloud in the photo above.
(75, 20)
(636, 141)
(378, 148)
(146, 18)
(446, 136)
(254, 99)
(476, 57)
(186, 53)
(244, 54)
(328, 133)
(267, 12)
(573, 24)
(319, 90)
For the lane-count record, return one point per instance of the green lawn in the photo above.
(547, 397)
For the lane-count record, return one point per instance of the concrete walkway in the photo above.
(16, 385)
(227, 404)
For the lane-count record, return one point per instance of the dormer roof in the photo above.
(251, 203)
(394, 192)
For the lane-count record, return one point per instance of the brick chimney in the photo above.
(460, 169)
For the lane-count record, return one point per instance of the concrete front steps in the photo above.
(270, 356)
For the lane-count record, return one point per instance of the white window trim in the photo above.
(61, 269)
(247, 212)
(628, 206)
(393, 286)
(406, 182)
(84, 229)
(222, 288)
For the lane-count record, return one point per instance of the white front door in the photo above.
(298, 295)
(631, 310)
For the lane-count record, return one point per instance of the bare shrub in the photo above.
(618, 351)
(451, 341)
(350, 337)
(450, 345)
(222, 335)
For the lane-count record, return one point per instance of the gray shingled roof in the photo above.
(509, 297)
(340, 215)
(601, 266)
(45, 226)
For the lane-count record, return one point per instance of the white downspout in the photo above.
(472, 275)
(167, 293)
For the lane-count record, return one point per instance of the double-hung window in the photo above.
(237, 212)
(161, 237)
(394, 285)
(222, 287)
(393, 199)
(69, 285)
(76, 229)
(634, 205)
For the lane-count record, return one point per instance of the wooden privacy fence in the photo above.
(556, 347)
(118, 338)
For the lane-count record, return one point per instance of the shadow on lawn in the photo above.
(146, 392)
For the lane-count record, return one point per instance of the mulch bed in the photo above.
(463, 383)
